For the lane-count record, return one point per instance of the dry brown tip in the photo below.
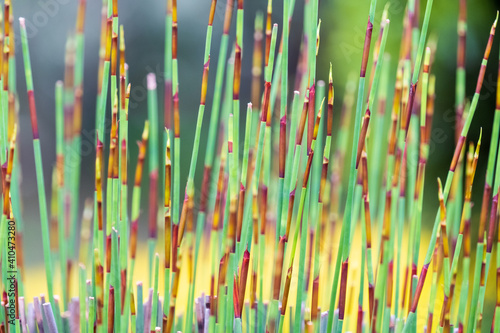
(282, 147)
(362, 136)
(80, 19)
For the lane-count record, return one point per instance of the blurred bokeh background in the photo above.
(50, 22)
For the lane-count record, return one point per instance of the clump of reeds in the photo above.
(272, 199)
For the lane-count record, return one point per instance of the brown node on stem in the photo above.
(331, 96)
(324, 174)
(457, 153)
(302, 122)
(77, 116)
(220, 188)
(492, 224)
(204, 82)
(420, 286)
(1, 48)
(124, 162)
(102, 47)
(8, 174)
(442, 209)
(182, 220)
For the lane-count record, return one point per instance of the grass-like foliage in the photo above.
(271, 240)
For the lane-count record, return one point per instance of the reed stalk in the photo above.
(465, 129)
